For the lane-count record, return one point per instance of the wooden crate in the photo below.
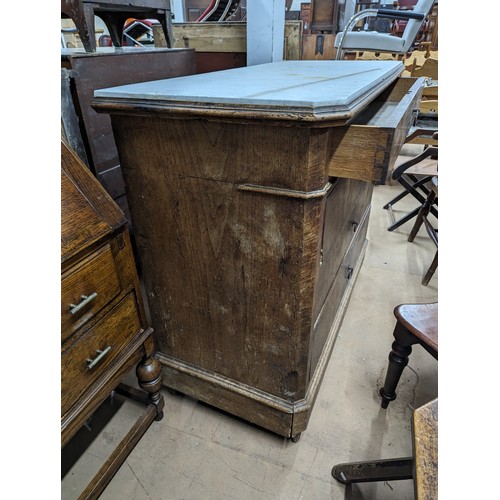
(226, 37)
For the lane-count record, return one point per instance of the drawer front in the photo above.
(86, 289)
(344, 210)
(330, 309)
(367, 148)
(110, 335)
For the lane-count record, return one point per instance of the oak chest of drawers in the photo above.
(104, 333)
(249, 191)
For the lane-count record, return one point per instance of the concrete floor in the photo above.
(200, 453)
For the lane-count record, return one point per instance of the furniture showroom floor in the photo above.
(200, 453)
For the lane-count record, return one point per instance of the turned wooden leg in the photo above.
(149, 374)
(398, 359)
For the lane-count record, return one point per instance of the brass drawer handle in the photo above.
(74, 308)
(100, 355)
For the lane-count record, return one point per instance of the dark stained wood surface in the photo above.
(421, 320)
(88, 218)
(95, 274)
(109, 68)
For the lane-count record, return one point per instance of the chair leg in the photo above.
(398, 359)
(403, 219)
(380, 470)
(420, 184)
(422, 214)
(432, 269)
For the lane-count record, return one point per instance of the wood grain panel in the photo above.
(96, 274)
(227, 253)
(367, 148)
(81, 224)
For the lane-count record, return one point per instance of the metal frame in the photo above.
(352, 22)
(384, 13)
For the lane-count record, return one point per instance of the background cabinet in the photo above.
(109, 67)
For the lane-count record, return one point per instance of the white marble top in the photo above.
(310, 84)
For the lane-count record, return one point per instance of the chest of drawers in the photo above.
(104, 333)
(250, 192)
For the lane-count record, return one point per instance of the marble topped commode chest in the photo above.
(250, 191)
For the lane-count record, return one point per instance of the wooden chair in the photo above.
(415, 175)
(349, 40)
(416, 324)
(423, 218)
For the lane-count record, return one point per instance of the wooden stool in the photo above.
(416, 324)
(114, 13)
(423, 218)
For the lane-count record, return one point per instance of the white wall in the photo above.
(177, 7)
(265, 31)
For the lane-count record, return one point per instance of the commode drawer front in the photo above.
(88, 359)
(343, 278)
(367, 148)
(86, 289)
(345, 206)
